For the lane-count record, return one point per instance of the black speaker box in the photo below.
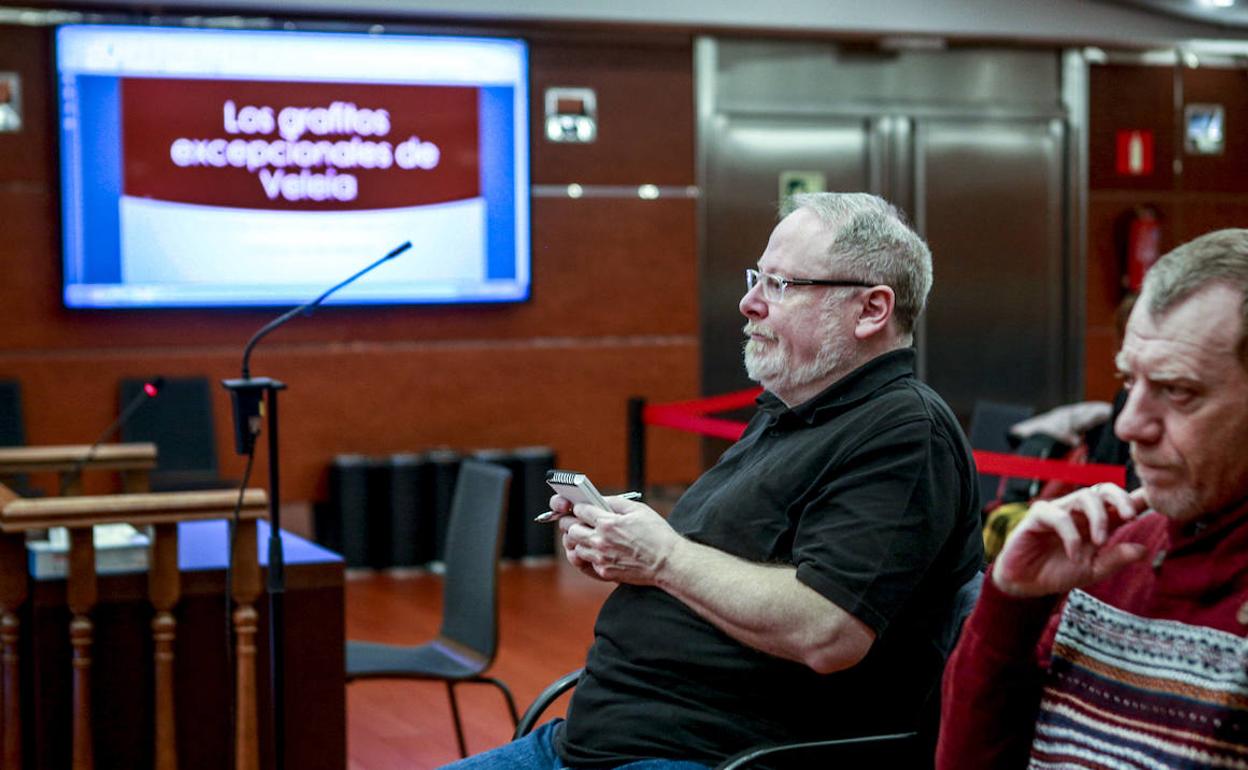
(523, 537)
(412, 522)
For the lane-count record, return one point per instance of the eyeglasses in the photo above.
(775, 285)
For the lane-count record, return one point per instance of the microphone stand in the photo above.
(246, 395)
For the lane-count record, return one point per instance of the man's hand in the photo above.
(628, 544)
(1062, 544)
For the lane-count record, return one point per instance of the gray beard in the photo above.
(772, 370)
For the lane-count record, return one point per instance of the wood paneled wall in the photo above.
(613, 311)
(1193, 194)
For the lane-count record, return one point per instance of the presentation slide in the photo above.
(195, 175)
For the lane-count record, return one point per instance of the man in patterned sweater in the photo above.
(1111, 632)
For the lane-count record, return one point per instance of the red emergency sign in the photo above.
(1135, 152)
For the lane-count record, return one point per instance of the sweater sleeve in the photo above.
(991, 689)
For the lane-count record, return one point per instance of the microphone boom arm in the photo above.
(308, 307)
(141, 398)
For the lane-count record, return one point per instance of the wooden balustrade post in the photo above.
(164, 590)
(13, 590)
(135, 480)
(69, 483)
(82, 592)
(245, 562)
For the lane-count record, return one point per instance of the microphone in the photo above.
(245, 396)
(150, 390)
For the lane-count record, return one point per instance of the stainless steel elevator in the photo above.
(981, 147)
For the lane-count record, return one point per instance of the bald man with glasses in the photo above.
(799, 589)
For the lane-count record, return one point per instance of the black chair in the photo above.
(909, 750)
(179, 422)
(465, 646)
(990, 432)
(11, 423)
(13, 432)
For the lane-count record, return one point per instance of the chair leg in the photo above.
(511, 703)
(459, 729)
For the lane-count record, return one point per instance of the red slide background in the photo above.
(157, 111)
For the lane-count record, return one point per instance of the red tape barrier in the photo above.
(1018, 466)
(691, 416)
(667, 417)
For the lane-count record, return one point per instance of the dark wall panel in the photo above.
(26, 156)
(645, 110)
(1193, 197)
(1128, 98)
(1226, 172)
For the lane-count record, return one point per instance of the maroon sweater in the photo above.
(1196, 574)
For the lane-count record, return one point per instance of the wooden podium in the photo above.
(137, 670)
(123, 683)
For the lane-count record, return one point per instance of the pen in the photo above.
(552, 516)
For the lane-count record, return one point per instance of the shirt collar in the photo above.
(846, 392)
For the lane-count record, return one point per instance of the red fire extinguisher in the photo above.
(1143, 245)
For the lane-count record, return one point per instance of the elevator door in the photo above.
(972, 145)
(990, 193)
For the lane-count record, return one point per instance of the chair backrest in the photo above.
(179, 421)
(963, 602)
(473, 541)
(13, 431)
(989, 431)
(947, 638)
(11, 423)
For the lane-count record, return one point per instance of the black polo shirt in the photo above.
(869, 490)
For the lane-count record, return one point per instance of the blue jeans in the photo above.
(536, 751)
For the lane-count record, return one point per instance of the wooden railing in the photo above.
(133, 461)
(161, 511)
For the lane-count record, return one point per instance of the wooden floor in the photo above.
(547, 615)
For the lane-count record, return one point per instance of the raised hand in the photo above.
(1065, 543)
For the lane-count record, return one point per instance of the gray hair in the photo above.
(1217, 257)
(872, 237)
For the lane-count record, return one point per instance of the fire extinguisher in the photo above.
(1143, 246)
